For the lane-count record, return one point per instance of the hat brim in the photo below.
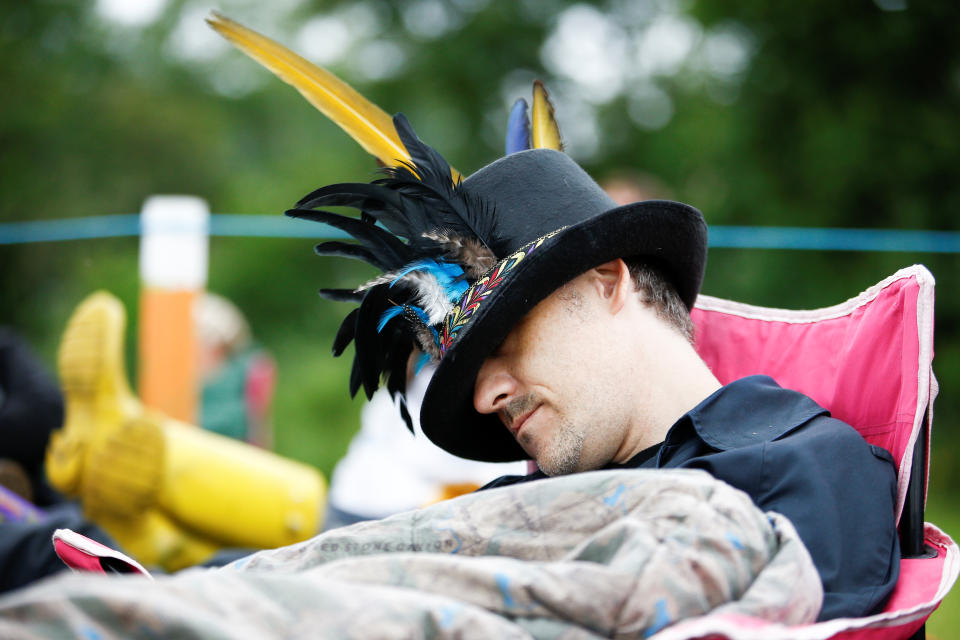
(668, 234)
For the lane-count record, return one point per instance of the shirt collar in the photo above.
(748, 411)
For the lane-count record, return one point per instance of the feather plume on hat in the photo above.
(430, 238)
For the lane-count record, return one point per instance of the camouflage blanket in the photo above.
(602, 554)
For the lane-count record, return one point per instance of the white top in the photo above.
(388, 470)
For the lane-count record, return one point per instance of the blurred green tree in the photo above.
(808, 114)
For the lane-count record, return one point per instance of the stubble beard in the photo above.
(563, 454)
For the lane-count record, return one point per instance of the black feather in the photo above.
(430, 166)
(405, 414)
(397, 346)
(367, 339)
(359, 195)
(454, 209)
(377, 201)
(398, 354)
(345, 333)
(404, 216)
(417, 202)
(341, 295)
(384, 244)
(354, 378)
(396, 364)
(349, 250)
(415, 198)
(396, 370)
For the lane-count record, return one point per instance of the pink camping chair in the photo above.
(867, 360)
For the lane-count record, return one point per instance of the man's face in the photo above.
(554, 383)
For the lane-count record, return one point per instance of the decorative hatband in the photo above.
(466, 308)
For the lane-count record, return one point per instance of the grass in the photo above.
(945, 621)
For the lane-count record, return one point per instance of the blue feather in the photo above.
(518, 127)
(448, 274)
(422, 361)
(455, 288)
(443, 270)
(388, 315)
(398, 309)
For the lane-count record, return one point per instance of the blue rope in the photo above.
(276, 226)
(266, 226)
(128, 224)
(70, 229)
(834, 239)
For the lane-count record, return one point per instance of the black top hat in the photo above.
(541, 221)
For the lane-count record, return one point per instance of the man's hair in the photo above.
(657, 291)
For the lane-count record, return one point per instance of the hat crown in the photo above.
(534, 193)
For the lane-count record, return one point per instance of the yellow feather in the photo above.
(364, 121)
(545, 131)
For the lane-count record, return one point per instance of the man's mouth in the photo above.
(518, 411)
(517, 424)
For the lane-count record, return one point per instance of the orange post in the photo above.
(168, 352)
(173, 273)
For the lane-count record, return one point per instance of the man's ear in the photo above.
(613, 283)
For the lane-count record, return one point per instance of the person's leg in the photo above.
(26, 549)
(31, 407)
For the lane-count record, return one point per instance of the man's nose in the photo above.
(494, 388)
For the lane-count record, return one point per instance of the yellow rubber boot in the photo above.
(171, 494)
(157, 541)
(236, 493)
(93, 377)
(122, 479)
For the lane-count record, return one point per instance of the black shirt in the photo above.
(784, 450)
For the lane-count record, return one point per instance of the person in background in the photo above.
(389, 468)
(31, 407)
(238, 375)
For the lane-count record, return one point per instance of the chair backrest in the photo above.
(867, 360)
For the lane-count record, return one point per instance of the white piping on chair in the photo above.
(927, 387)
(798, 316)
(926, 384)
